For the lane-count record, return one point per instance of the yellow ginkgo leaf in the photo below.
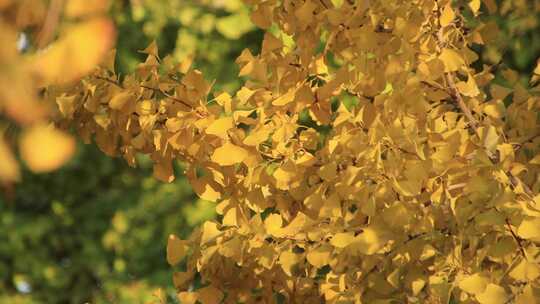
(257, 137)
(529, 229)
(262, 16)
(370, 240)
(287, 260)
(209, 295)
(284, 175)
(66, 105)
(45, 148)
(231, 248)
(490, 137)
(285, 98)
(535, 160)
(187, 297)
(273, 224)
(525, 271)
(225, 100)
(474, 284)
(176, 250)
(119, 100)
(320, 256)
(475, 6)
(451, 59)
(151, 49)
(447, 15)
(181, 278)
(231, 217)
(209, 232)
(495, 109)
(220, 127)
(244, 94)
(417, 285)
(529, 295)
(304, 13)
(342, 240)
(163, 171)
(229, 154)
(468, 88)
(408, 187)
(82, 48)
(205, 189)
(493, 294)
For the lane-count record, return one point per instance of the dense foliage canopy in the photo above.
(378, 151)
(52, 225)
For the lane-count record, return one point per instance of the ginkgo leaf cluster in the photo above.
(422, 189)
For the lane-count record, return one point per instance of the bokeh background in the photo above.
(95, 231)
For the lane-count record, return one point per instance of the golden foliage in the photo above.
(367, 162)
(425, 187)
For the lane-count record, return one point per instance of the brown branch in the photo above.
(456, 186)
(515, 181)
(167, 95)
(359, 95)
(324, 4)
(433, 85)
(116, 83)
(461, 103)
(516, 238)
(528, 139)
(449, 77)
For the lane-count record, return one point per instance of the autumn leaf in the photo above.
(45, 148)
(79, 51)
(229, 154)
(176, 250)
(447, 15)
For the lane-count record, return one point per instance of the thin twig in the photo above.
(449, 77)
(148, 88)
(167, 95)
(116, 83)
(324, 4)
(435, 86)
(518, 241)
(456, 186)
(516, 181)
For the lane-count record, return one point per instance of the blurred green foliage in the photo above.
(95, 231)
(515, 36)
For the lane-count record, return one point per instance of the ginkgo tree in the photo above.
(370, 157)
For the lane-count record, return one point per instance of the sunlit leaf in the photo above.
(45, 148)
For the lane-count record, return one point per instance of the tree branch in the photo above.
(449, 77)
(167, 95)
(116, 83)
